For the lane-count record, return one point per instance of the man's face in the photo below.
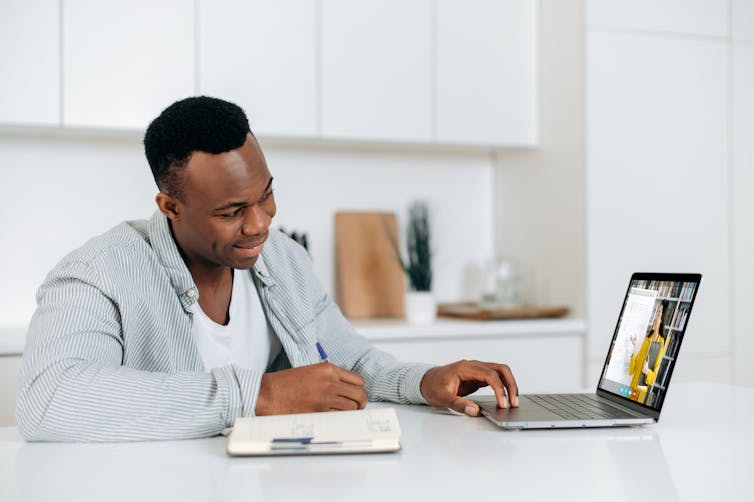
(227, 207)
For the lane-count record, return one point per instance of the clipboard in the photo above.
(334, 432)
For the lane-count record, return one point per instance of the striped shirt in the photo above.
(110, 356)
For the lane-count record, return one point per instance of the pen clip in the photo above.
(302, 440)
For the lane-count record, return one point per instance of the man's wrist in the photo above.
(411, 384)
(264, 399)
(249, 384)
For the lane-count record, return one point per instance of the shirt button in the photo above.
(190, 293)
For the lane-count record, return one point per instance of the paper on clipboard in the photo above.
(360, 431)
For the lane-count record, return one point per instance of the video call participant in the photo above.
(645, 362)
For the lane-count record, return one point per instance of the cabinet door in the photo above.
(30, 62)
(125, 61)
(10, 366)
(262, 55)
(487, 60)
(376, 77)
(539, 365)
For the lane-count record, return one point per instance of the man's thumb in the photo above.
(467, 406)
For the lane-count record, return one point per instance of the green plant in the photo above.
(418, 268)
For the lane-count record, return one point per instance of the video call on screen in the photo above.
(646, 344)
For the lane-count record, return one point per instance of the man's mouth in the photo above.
(250, 249)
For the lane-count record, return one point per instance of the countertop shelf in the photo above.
(12, 340)
(398, 329)
(12, 337)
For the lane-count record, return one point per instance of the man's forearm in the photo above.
(84, 401)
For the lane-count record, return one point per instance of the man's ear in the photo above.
(169, 205)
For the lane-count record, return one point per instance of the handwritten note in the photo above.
(330, 432)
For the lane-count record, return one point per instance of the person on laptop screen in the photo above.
(176, 326)
(645, 360)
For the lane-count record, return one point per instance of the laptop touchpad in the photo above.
(526, 411)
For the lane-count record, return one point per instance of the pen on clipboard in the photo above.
(308, 443)
(322, 353)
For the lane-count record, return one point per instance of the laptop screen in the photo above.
(648, 337)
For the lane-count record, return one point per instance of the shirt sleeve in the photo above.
(74, 385)
(386, 378)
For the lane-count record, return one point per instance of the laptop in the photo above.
(638, 365)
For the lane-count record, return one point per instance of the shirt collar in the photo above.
(164, 245)
(161, 239)
(262, 271)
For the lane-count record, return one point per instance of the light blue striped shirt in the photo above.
(110, 357)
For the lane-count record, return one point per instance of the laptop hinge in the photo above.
(631, 405)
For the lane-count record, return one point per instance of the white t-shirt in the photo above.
(247, 340)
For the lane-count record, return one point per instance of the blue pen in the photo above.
(321, 351)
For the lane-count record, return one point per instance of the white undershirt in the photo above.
(247, 340)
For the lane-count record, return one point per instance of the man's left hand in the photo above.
(447, 385)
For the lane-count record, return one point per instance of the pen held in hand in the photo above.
(322, 353)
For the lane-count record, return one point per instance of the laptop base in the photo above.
(533, 415)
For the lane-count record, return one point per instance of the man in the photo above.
(174, 327)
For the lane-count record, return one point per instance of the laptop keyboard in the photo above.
(578, 406)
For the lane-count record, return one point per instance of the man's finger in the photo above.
(506, 375)
(483, 373)
(355, 393)
(349, 376)
(340, 403)
(466, 406)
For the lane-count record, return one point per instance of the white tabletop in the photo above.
(701, 450)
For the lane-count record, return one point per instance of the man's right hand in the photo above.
(318, 387)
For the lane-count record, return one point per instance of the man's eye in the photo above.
(266, 196)
(235, 213)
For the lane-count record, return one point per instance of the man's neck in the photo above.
(215, 292)
(210, 275)
(206, 278)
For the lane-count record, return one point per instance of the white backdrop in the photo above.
(57, 192)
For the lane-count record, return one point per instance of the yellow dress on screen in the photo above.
(637, 362)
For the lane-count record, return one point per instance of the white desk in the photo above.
(701, 450)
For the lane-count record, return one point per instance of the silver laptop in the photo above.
(638, 365)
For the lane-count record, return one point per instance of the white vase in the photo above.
(420, 306)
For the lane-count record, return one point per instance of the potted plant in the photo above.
(420, 303)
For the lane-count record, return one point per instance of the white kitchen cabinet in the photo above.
(263, 56)
(376, 75)
(123, 62)
(10, 366)
(420, 72)
(742, 20)
(544, 355)
(30, 62)
(697, 17)
(487, 72)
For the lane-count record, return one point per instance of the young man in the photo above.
(174, 327)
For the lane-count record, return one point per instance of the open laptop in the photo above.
(638, 365)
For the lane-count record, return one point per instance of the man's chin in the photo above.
(245, 258)
(244, 264)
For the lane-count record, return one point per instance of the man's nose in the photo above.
(256, 221)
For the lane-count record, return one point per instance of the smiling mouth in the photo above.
(249, 246)
(251, 249)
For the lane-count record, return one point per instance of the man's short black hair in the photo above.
(193, 124)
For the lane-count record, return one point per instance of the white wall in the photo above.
(646, 163)
(742, 187)
(539, 201)
(668, 130)
(58, 190)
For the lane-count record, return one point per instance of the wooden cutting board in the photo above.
(369, 279)
(474, 311)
